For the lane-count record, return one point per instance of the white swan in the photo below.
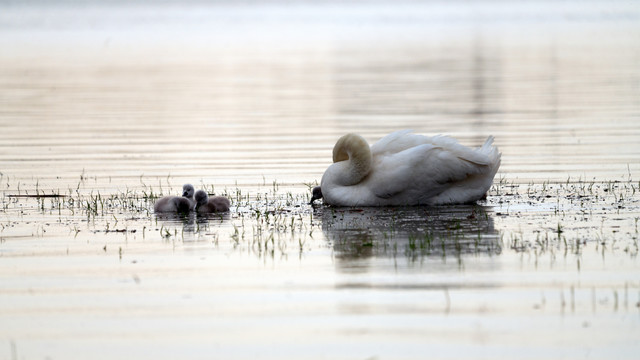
(205, 204)
(403, 168)
(184, 203)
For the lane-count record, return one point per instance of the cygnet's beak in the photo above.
(184, 193)
(315, 194)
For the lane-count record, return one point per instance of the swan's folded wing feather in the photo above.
(404, 140)
(393, 143)
(451, 145)
(393, 173)
(422, 169)
(452, 167)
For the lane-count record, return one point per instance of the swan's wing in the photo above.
(423, 169)
(404, 140)
(451, 145)
(395, 142)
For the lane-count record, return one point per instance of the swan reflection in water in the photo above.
(410, 231)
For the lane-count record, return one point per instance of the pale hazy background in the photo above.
(106, 101)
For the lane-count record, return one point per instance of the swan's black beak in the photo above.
(316, 194)
(184, 193)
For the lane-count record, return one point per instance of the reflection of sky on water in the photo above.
(101, 91)
(270, 87)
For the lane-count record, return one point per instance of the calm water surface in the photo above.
(109, 104)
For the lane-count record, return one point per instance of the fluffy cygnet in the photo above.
(188, 191)
(182, 204)
(316, 194)
(206, 204)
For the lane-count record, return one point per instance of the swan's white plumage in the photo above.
(410, 169)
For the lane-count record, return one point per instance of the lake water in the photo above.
(106, 106)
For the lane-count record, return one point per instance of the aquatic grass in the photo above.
(273, 218)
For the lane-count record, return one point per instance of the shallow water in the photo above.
(112, 105)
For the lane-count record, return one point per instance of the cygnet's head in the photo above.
(188, 190)
(201, 198)
(316, 194)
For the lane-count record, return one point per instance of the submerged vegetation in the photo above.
(274, 220)
(544, 226)
(568, 216)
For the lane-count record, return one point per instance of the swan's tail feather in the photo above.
(475, 186)
(487, 144)
(492, 152)
(494, 158)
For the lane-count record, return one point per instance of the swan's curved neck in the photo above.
(355, 152)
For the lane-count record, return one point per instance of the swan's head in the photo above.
(201, 198)
(188, 190)
(316, 194)
(351, 146)
(351, 161)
